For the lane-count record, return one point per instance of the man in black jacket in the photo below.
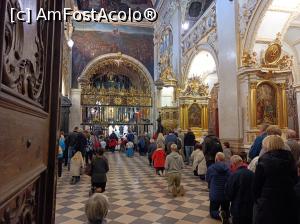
(211, 146)
(239, 191)
(71, 142)
(189, 143)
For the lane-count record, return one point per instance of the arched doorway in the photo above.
(116, 95)
(201, 78)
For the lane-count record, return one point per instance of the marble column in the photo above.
(297, 90)
(75, 110)
(227, 70)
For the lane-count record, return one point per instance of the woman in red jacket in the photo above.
(159, 158)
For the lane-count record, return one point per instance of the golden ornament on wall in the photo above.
(248, 59)
(273, 53)
(118, 101)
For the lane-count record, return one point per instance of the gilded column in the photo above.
(205, 117)
(181, 117)
(186, 117)
(284, 106)
(202, 113)
(252, 105)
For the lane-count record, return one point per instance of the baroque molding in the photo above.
(246, 11)
(22, 73)
(201, 29)
(212, 40)
(22, 208)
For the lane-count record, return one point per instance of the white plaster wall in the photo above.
(175, 23)
(298, 104)
(228, 94)
(244, 106)
(75, 110)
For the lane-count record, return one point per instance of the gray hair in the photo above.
(291, 134)
(96, 208)
(220, 156)
(236, 159)
(173, 147)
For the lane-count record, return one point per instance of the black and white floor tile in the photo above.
(136, 195)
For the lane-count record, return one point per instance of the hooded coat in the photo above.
(217, 176)
(274, 194)
(174, 163)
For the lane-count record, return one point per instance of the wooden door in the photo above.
(29, 89)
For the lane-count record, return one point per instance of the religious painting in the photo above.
(266, 104)
(113, 5)
(194, 114)
(92, 40)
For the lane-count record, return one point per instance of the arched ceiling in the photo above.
(282, 16)
(292, 36)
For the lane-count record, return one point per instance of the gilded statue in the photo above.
(248, 59)
(195, 87)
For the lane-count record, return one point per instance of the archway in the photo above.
(203, 65)
(200, 79)
(116, 92)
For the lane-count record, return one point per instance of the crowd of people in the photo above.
(261, 188)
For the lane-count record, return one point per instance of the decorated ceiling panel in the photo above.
(136, 42)
(113, 5)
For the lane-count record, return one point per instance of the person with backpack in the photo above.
(211, 146)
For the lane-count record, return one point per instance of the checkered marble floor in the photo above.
(136, 195)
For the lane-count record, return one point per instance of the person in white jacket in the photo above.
(199, 162)
(76, 164)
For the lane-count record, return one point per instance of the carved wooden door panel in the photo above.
(29, 75)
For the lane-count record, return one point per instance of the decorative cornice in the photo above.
(204, 25)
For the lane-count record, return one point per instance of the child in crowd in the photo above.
(217, 176)
(159, 158)
(130, 149)
(99, 168)
(96, 209)
(174, 165)
(76, 164)
(199, 162)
